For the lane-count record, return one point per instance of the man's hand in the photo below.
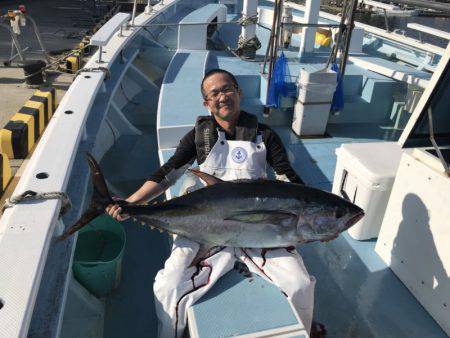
(114, 210)
(147, 192)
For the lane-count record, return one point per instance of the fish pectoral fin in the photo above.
(264, 216)
(205, 251)
(209, 179)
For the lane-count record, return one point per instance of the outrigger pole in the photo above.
(352, 5)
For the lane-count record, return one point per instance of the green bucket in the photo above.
(97, 263)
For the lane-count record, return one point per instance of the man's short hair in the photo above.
(217, 71)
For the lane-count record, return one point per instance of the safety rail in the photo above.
(378, 4)
(104, 34)
(429, 30)
(403, 40)
(14, 40)
(17, 18)
(27, 230)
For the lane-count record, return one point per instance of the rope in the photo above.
(57, 61)
(264, 27)
(33, 195)
(248, 20)
(230, 49)
(251, 44)
(93, 69)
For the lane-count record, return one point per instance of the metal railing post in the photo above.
(134, 12)
(38, 35)
(14, 41)
(100, 51)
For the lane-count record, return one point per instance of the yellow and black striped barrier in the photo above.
(52, 92)
(17, 137)
(20, 134)
(5, 171)
(75, 61)
(47, 96)
(72, 63)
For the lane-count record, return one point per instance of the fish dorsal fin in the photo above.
(264, 216)
(209, 179)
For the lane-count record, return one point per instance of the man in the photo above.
(230, 144)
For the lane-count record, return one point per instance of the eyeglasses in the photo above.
(226, 90)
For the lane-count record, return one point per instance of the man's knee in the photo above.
(170, 279)
(183, 252)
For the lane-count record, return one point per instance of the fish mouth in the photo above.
(353, 220)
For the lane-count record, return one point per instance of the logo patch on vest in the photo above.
(239, 155)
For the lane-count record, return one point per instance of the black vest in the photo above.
(206, 133)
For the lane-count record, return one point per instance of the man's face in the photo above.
(222, 97)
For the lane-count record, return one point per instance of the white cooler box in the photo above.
(310, 119)
(364, 174)
(315, 94)
(316, 86)
(318, 76)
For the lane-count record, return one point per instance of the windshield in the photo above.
(439, 103)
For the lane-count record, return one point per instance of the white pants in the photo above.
(177, 287)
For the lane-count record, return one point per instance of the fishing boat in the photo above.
(139, 94)
(382, 8)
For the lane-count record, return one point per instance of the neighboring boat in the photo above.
(130, 105)
(382, 8)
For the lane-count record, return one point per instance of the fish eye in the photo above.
(339, 212)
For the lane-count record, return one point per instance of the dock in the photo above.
(62, 26)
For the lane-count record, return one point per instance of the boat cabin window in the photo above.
(439, 102)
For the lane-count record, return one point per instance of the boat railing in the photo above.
(28, 230)
(104, 34)
(378, 32)
(380, 5)
(429, 30)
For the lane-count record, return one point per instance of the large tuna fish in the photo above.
(247, 213)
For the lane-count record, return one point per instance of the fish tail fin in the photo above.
(101, 192)
(100, 199)
(91, 213)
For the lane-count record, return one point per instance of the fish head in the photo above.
(326, 219)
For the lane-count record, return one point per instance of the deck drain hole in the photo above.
(68, 112)
(1, 303)
(87, 77)
(42, 176)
